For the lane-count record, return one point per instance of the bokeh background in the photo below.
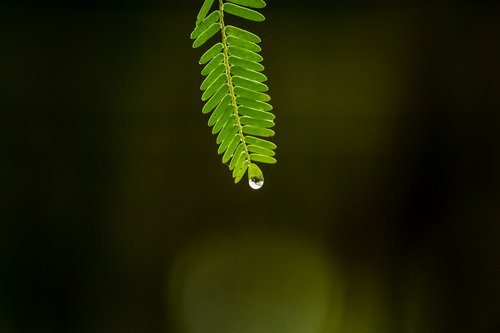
(382, 214)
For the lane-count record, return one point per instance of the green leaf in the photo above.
(258, 131)
(205, 8)
(238, 153)
(210, 53)
(260, 142)
(228, 129)
(222, 121)
(244, 44)
(258, 96)
(262, 158)
(230, 150)
(256, 122)
(254, 66)
(248, 74)
(250, 84)
(241, 33)
(224, 105)
(245, 54)
(208, 21)
(254, 104)
(223, 146)
(250, 3)
(255, 113)
(260, 150)
(217, 60)
(214, 87)
(240, 173)
(212, 76)
(240, 165)
(206, 35)
(243, 12)
(233, 88)
(216, 99)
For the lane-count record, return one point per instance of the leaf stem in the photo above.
(225, 51)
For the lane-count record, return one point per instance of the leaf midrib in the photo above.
(225, 51)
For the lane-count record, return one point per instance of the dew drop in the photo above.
(256, 183)
(255, 177)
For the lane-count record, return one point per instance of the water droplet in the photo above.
(256, 183)
(255, 177)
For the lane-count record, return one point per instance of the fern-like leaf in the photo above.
(234, 90)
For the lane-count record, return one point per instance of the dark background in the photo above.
(382, 214)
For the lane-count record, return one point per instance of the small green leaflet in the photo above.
(243, 12)
(250, 3)
(207, 4)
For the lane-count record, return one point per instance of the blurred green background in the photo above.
(382, 214)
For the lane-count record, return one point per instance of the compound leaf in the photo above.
(233, 88)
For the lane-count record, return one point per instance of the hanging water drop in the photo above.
(256, 183)
(255, 177)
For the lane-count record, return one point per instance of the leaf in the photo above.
(206, 35)
(235, 141)
(217, 60)
(256, 113)
(215, 99)
(220, 69)
(250, 84)
(255, 66)
(243, 12)
(221, 122)
(229, 128)
(240, 173)
(258, 96)
(256, 122)
(208, 21)
(210, 53)
(240, 166)
(223, 106)
(238, 153)
(214, 87)
(205, 8)
(262, 158)
(245, 54)
(262, 106)
(258, 131)
(225, 144)
(260, 142)
(261, 151)
(241, 33)
(250, 3)
(244, 44)
(233, 90)
(248, 74)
